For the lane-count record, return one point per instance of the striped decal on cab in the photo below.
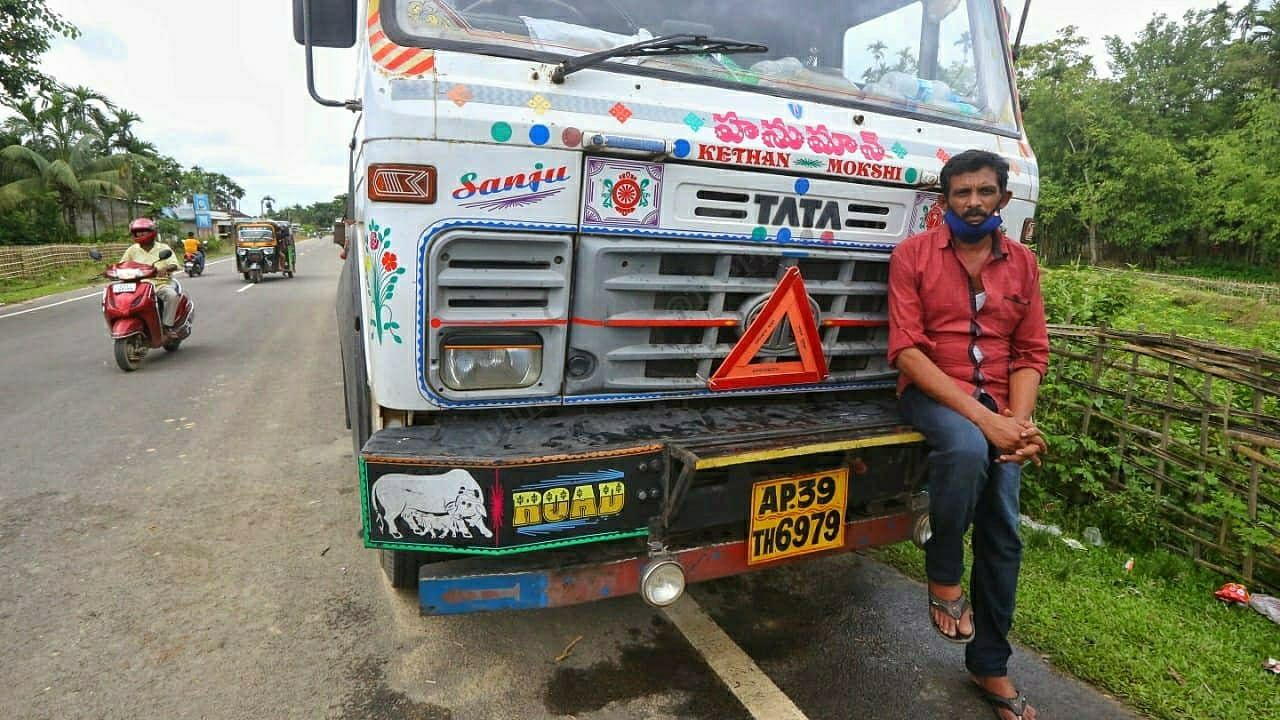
(395, 60)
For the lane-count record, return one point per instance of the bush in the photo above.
(1075, 295)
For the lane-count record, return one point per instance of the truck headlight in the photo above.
(491, 362)
(662, 581)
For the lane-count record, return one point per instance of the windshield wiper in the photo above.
(663, 45)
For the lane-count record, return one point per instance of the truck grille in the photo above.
(655, 316)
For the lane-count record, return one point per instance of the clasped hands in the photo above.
(1017, 439)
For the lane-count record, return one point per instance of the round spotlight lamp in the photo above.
(662, 582)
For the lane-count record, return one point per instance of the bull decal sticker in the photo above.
(433, 506)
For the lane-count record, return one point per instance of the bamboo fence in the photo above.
(28, 261)
(1263, 291)
(1192, 426)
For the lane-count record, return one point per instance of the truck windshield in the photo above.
(944, 59)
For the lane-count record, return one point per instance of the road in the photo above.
(180, 542)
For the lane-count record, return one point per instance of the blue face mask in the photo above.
(972, 233)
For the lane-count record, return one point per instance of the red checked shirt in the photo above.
(931, 307)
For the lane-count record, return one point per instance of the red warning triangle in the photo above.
(789, 302)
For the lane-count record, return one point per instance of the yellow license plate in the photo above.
(797, 515)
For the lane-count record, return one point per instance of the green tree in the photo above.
(74, 178)
(26, 29)
(1242, 189)
(1102, 174)
(1174, 77)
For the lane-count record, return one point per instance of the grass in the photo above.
(54, 281)
(1132, 301)
(1240, 272)
(1155, 637)
(82, 275)
(1228, 320)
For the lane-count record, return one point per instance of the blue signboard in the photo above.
(204, 220)
(201, 202)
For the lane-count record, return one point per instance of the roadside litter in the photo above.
(1091, 534)
(1237, 594)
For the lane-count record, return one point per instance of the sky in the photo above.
(222, 85)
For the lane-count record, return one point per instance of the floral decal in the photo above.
(626, 194)
(382, 270)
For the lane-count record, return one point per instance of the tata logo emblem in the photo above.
(789, 211)
(782, 341)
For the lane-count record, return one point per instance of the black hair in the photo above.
(973, 161)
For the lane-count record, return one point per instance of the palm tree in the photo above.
(117, 129)
(29, 123)
(1245, 18)
(75, 178)
(80, 103)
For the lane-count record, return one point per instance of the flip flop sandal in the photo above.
(955, 609)
(1016, 705)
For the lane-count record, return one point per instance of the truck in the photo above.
(612, 314)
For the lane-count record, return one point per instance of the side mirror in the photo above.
(333, 22)
(340, 234)
(165, 254)
(95, 254)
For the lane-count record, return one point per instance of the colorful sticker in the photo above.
(623, 192)
(539, 104)
(621, 112)
(429, 506)
(510, 191)
(459, 94)
(383, 273)
(568, 502)
(780, 135)
(926, 214)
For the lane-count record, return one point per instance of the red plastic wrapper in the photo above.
(1233, 593)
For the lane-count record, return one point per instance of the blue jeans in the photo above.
(967, 487)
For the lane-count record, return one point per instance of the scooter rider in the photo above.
(191, 246)
(144, 251)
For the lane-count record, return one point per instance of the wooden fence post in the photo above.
(1165, 420)
(1255, 478)
(1098, 353)
(1202, 464)
(1124, 416)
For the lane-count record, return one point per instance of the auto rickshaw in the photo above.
(263, 246)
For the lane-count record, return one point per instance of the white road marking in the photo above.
(736, 669)
(82, 297)
(246, 287)
(46, 307)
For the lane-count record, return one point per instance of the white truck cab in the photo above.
(613, 314)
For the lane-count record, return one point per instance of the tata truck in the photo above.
(612, 315)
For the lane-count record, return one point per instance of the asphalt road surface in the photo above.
(180, 542)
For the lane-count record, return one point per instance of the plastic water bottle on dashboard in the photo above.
(928, 92)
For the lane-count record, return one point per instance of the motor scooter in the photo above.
(193, 262)
(133, 314)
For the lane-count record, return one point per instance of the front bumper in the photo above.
(526, 479)
(479, 585)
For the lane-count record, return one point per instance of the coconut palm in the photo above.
(74, 177)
